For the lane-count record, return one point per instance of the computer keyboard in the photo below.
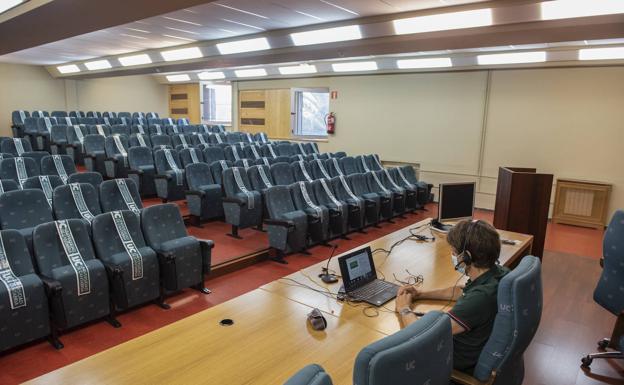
(371, 289)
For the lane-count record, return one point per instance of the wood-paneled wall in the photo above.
(184, 102)
(265, 111)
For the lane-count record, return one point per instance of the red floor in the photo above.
(31, 361)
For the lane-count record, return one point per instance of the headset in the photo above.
(465, 255)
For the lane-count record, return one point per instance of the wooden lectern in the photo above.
(522, 203)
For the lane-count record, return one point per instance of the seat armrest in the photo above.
(195, 192)
(279, 222)
(602, 262)
(52, 286)
(238, 201)
(462, 378)
(112, 269)
(165, 256)
(135, 172)
(160, 176)
(111, 160)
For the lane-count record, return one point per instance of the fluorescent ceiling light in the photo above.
(355, 66)
(135, 60)
(8, 4)
(564, 9)
(436, 62)
(210, 75)
(297, 70)
(68, 69)
(258, 44)
(328, 35)
(512, 58)
(181, 54)
(601, 53)
(250, 73)
(178, 78)
(444, 21)
(97, 65)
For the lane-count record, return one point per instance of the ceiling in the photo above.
(212, 21)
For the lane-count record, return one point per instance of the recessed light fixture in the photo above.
(609, 53)
(135, 60)
(327, 35)
(436, 62)
(178, 78)
(181, 54)
(97, 65)
(178, 37)
(355, 66)
(250, 73)
(444, 21)
(182, 21)
(68, 69)
(512, 58)
(211, 75)
(565, 9)
(249, 45)
(298, 70)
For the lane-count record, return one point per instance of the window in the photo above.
(311, 106)
(217, 103)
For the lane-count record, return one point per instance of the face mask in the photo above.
(455, 261)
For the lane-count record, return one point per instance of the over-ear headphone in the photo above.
(465, 255)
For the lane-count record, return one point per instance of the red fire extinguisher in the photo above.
(330, 122)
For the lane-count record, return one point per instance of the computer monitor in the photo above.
(357, 268)
(456, 201)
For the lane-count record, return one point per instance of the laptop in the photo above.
(360, 278)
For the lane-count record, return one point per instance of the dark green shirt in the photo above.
(475, 311)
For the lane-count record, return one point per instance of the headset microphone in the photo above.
(325, 275)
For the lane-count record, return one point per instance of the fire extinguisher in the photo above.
(330, 122)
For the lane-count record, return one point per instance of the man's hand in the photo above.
(403, 300)
(411, 289)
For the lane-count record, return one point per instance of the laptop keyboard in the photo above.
(371, 289)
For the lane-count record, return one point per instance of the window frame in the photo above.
(207, 84)
(295, 117)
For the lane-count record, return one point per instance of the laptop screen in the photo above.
(357, 269)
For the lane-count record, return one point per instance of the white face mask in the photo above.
(455, 260)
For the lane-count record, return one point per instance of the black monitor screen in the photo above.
(456, 201)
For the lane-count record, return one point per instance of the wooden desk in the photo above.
(432, 260)
(268, 343)
(269, 340)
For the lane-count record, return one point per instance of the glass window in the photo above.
(217, 103)
(311, 108)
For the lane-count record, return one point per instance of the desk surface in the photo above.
(269, 340)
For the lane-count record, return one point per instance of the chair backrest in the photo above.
(72, 133)
(301, 171)
(120, 129)
(162, 161)
(235, 179)
(19, 169)
(279, 201)
(12, 146)
(16, 252)
(93, 178)
(217, 169)
(282, 174)
(94, 144)
(322, 189)
(61, 165)
(343, 188)
(19, 117)
(421, 353)
(284, 149)
(198, 175)
(359, 184)
(214, 154)
(45, 183)
(21, 209)
(120, 194)
(517, 320)
(8, 185)
(260, 177)
(190, 156)
(49, 251)
(139, 129)
(59, 133)
(310, 375)
(409, 173)
(111, 144)
(245, 163)
(76, 200)
(161, 140)
(161, 223)
(317, 166)
(140, 140)
(348, 165)
(303, 195)
(608, 293)
(99, 129)
(140, 156)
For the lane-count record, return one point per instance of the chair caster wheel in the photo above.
(603, 344)
(586, 361)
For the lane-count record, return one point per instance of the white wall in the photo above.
(461, 126)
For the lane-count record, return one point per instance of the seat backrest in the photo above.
(15, 146)
(191, 155)
(235, 180)
(517, 320)
(348, 165)
(155, 128)
(333, 167)
(285, 149)
(140, 156)
(72, 133)
(59, 133)
(140, 140)
(217, 169)
(245, 163)
(8, 185)
(161, 223)
(120, 194)
(139, 129)
(45, 183)
(19, 169)
(16, 253)
(343, 188)
(374, 182)
(282, 174)
(319, 170)
(76, 200)
(608, 292)
(362, 164)
(49, 251)
(21, 209)
(160, 140)
(214, 154)
(265, 161)
(114, 145)
(93, 178)
(164, 162)
(324, 192)
(94, 144)
(261, 137)
(61, 165)
(198, 175)
(260, 177)
(301, 171)
(120, 129)
(200, 139)
(19, 117)
(359, 184)
(279, 201)
(421, 353)
(99, 129)
(173, 129)
(310, 375)
(409, 174)
(303, 195)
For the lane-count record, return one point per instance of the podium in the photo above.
(522, 203)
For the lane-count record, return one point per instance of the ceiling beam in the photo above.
(62, 19)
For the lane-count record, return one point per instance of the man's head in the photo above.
(479, 239)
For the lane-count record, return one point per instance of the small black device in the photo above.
(316, 320)
(359, 277)
(325, 275)
(456, 202)
(226, 322)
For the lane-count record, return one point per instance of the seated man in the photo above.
(475, 246)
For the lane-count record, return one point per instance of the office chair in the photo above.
(608, 292)
(310, 375)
